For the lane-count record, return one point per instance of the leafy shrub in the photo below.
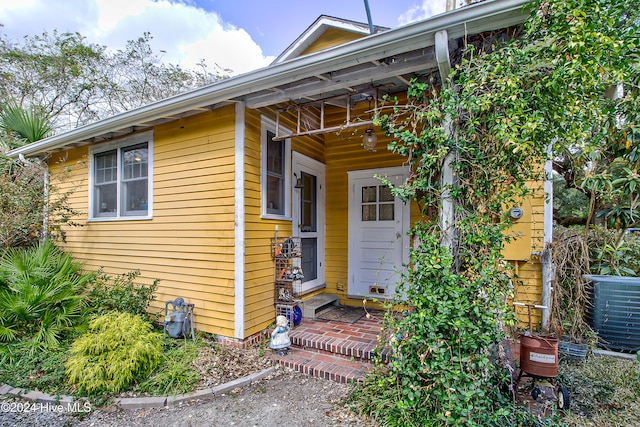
(40, 296)
(613, 252)
(441, 370)
(120, 293)
(118, 349)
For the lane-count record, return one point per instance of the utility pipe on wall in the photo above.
(366, 6)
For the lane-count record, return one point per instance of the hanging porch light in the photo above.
(369, 140)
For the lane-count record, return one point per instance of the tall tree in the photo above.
(76, 82)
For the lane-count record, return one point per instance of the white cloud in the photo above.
(427, 9)
(186, 33)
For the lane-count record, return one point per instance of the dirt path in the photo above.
(286, 398)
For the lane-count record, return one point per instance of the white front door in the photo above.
(378, 241)
(308, 218)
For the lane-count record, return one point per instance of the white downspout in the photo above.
(45, 206)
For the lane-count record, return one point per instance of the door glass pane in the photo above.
(369, 212)
(309, 258)
(369, 194)
(386, 211)
(308, 204)
(385, 194)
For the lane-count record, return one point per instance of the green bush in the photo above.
(611, 252)
(120, 293)
(40, 297)
(118, 349)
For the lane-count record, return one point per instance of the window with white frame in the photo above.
(120, 179)
(276, 169)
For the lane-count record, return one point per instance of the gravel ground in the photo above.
(286, 398)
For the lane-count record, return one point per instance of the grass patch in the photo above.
(176, 374)
(605, 391)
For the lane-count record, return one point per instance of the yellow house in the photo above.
(192, 189)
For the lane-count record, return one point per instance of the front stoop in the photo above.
(333, 350)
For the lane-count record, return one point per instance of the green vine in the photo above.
(506, 103)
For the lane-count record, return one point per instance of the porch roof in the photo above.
(385, 60)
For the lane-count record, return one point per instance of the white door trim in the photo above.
(307, 164)
(354, 218)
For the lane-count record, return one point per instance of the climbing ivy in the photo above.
(505, 103)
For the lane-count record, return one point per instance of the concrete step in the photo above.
(316, 304)
(323, 365)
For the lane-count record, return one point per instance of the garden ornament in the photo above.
(280, 341)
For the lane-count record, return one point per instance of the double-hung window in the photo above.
(276, 171)
(120, 176)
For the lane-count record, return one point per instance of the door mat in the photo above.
(342, 313)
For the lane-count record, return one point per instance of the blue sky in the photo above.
(275, 24)
(241, 35)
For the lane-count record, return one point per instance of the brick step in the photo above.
(352, 347)
(323, 365)
(355, 341)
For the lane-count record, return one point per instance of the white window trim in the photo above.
(138, 138)
(269, 125)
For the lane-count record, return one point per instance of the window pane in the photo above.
(385, 194)
(275, 155)
(369, 212)
(105, 167)
(135, 197)
(386, 212)
(275, 194)
(275, 175)
(135, 161)
(105, 200)
(369, 194)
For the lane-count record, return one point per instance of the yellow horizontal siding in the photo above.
(189, 243)
(344, 153)
(259, 308)
(330, 38)
(528, 290)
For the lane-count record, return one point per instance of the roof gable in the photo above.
(324, 33)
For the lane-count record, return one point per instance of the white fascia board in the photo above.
(314, 32)
(486, 16)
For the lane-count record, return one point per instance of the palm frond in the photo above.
(28, 125)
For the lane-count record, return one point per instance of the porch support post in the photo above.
(238, 229)
(548, 268)
(447, 180)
